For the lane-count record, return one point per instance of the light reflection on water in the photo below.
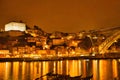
(101, 69)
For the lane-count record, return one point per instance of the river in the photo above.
(107, 69)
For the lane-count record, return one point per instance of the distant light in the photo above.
(73, 52)
(95, 37)
(81, 55)
(87, 60)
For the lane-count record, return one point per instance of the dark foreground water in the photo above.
(101, 69)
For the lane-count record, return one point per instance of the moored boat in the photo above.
(53, 76)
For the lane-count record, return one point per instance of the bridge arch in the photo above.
(108, 42)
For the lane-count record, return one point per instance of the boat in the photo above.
(87, 77)
(57, 77)
(67, 77)
(53, 76)
(62, 77)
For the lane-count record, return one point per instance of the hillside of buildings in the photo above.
(20, 40)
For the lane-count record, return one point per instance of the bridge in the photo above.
(103, 47)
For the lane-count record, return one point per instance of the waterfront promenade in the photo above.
(58, 58)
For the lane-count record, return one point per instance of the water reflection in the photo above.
(101, 69)
(105, 69)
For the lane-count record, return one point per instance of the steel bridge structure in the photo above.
(103, 47)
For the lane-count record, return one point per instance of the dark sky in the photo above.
(62, 15)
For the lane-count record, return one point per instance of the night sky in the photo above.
(62, 15)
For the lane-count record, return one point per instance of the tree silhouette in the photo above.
(85, 44)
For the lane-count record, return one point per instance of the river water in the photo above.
(108, 69)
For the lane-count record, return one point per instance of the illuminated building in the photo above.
(15, 26)
(4, 53)
(58, 41)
